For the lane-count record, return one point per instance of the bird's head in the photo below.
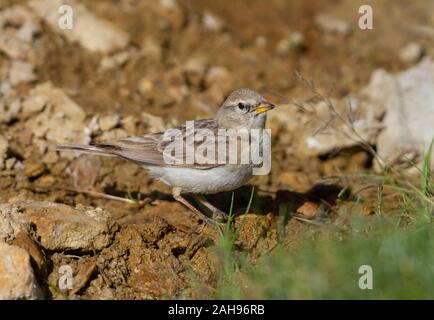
(244, 108)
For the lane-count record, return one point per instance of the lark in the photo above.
(244, 109)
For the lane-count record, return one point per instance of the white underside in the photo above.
(207, 181)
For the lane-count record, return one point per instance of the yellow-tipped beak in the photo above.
(264, 107)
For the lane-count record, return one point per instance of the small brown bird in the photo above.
(243, 109)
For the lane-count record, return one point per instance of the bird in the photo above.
(243, 109)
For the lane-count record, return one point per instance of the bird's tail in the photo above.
(89, 149)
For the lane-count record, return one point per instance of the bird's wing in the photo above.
(155, 148)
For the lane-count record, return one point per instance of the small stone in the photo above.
(60, 227)
(153, 123)
(293, 42)
(90, 31)
(129, 124)
(151, 48)
(114, 134)
(412, 52)
(17, 280)
(46, 181)
(332, 24)
(50, 157)
(368, 211)
(261, 41)
(117, 60)
(9, 111)
(23, 241)
(107, 123)
(308, 209)
(216, 74)
(32, 105)
(218, 80)
(212, 22)
(145, 86)
(172, 14)
(28, 31)
(34, 169)
(21, 72)
(194, 70)
(10, 163)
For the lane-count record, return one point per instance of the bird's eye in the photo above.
(241, 106)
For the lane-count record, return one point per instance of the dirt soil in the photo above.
(178, 62)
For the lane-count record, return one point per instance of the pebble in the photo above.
(145, 86)
(17, 280)
(332, 24)
(34, 169)
(109, 122)
(308, 209)
(212, 22)
(21, 72)
(294, 41)
(412, 52)
(32, 105)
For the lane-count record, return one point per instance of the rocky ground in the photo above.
(142, 66)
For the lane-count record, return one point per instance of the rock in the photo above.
(362, 121)
(28, 31)
(412, 52)
(394, 112)
(32, 105)
(294, 41)
(332, 24)
(114, 134)
(261, 41)
(61, 121)
(60, 227)
(153, 123)
(308, 209)
(23, 241)
(46, 181)
(212, 22)
(218, 80)
(409, 101)
(116, 60)
(21, 72)
(17, 42)
(10, 163)
(172, 13)
(109, 122)
(129, 123)
(145, 86)
(9, 112)
(17, 280)
(3, 150)
(10, 222)
(194, 70)
(34, 169)
(151, 48)
(92, 32)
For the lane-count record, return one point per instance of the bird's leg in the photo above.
(216, 213)
(177, 195)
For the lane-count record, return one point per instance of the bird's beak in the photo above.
(264, 107)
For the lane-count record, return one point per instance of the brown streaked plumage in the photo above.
(243, 109)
